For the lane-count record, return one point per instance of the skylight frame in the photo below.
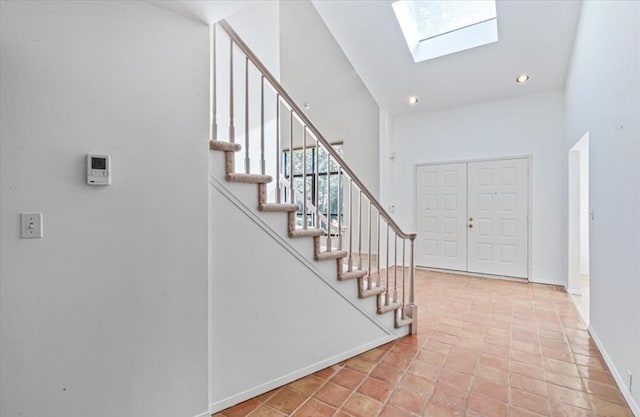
(456, 38)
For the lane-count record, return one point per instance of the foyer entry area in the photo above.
(489, 348)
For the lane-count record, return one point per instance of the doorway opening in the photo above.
(579, 225)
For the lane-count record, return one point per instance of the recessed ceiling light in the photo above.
(413, 100)
(522, 78)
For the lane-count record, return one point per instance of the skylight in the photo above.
(434, 28)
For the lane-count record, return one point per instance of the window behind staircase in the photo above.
(314, 178)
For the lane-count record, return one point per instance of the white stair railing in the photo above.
(273, 129)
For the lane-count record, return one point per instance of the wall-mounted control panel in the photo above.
(98, 169)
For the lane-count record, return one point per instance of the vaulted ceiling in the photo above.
(535, 37)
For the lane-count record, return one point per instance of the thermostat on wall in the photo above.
(98, 169)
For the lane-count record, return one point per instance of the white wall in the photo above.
(107, 314)
(584, 207)
(315, 70)
(603, 98)
(532, 125)
(282, 315)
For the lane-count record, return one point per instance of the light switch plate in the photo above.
(30, 225)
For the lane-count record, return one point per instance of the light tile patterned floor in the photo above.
(485, 347)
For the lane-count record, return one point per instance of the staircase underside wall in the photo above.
(275, 314)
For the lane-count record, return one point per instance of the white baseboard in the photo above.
(635, 409)
(275, 383)
(550, 282)
(205, 414)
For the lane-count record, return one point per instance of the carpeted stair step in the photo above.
(216, 145)
(357, 273)
(277, 207)
(321, 256)
(249, 178)
(306, 233)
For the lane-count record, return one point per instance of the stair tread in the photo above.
(249, 178)
(278, 207)
(387, 308)
(306, 233)
(216, 145)
(356, 273)
(364, 293)
(403, 322)
(331, 255)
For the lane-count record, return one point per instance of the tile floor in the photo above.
(484, 347)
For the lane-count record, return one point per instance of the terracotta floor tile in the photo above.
(360, 365)
(391, 411)
(491, 389)
(499, 376)
(527, 384)
(560, 367)
(436, 346)
(438, 409)
(466, 366)
(592, 374)
(332, 394)
(487, 406)
(527, 370)
(348, 378)
(604, 391)
(590, 361)
(605, 408)
(451, 396)
(497, 350)
(564, 410)
(456, 379)
(425, 370)
(327, 373)
(431, 357)
(533, 359)
(286, 400)
(408, 400)
(242, 409)
(485, 348)
(567, 381)
(530, 402)
(360, 405)
(525, 347)
(373, 355)
(519, 412)
(266, 411)
(494, 361)
(569, 396)
(313, 408)
(307, 385)
(386, 373)
(377, 389)
(417, 384)
(263, 398)
(561, 355)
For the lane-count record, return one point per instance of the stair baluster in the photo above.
(341, 187)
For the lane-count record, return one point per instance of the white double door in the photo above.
(473, 216)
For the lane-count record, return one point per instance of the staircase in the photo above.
(299, 173)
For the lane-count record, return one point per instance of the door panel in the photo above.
(441, 207)
(497, 228)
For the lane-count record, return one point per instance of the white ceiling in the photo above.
(535, 36)
(206, 11)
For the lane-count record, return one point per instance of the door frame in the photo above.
(528, 157)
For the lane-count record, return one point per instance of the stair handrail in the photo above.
(314, 130)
